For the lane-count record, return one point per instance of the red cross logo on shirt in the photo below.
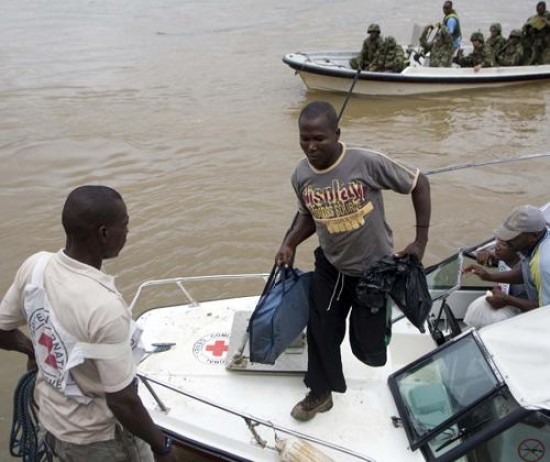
(47, 341)
(218, 348)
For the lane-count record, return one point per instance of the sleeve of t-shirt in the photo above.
(451, 24)
(117, 373)
(390, 174)
(296, 186)
(11, 314)
(11, 307)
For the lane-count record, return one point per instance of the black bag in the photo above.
(280, 315)
(404, 280)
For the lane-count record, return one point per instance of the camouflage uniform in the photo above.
(498, 41)
(537, 38)
(512, 54)
(481, 56)
(389, 58)
(370, 46)
(440, 49)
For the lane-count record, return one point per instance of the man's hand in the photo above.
(284, 255)
(482, 273)
(498, 300)
(414, 248)
(31, 363)
(485, 258)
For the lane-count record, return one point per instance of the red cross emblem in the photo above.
(47, 341)
(218, 348)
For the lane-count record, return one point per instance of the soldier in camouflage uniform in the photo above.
(389, 58)
(481, 56)
(496, 41)
(441, 47)
(537, 36)
(370, 46)
(512, 53)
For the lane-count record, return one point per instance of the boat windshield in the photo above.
(445, 277)
(454, 405)
(436, 391)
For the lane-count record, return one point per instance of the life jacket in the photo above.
(457, 32)
(56, 350)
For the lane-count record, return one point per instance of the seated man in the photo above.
(389, 58)
(481, 311)
(496, 41)
(512, 54)
(440, 48)
(370, 46)
(480, 57)
(524, 231)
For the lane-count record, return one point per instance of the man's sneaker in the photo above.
(312, 404)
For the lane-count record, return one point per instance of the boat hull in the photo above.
(331, 72)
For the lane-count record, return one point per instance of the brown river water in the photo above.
(185, 107)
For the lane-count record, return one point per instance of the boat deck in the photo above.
(196, 364)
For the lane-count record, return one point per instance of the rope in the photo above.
(24, 441)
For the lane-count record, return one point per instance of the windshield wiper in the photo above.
(461, 433)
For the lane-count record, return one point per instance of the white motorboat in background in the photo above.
(330, 71)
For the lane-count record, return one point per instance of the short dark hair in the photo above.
(541, 4)
(320, 108)
(88, 207)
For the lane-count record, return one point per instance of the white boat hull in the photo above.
(331, 72)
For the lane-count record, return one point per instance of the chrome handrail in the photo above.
(180, 281)
(249, 419)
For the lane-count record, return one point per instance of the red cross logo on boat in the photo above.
(218, 348)
(212, 348)
(47, 341)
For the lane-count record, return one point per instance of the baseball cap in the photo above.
(523, 219)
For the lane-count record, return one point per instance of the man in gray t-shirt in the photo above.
(339, 193)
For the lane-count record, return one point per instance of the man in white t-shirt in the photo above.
(80, 332)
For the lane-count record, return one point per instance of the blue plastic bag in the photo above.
(280, 315)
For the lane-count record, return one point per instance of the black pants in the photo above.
(332, 298)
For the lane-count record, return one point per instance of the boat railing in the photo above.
(181, 281)
(251, 421)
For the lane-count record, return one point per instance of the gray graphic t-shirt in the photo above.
(346, 203)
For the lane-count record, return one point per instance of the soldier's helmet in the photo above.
(477, 36)
(373, 28)
(496, 26)
(390, 42)
(516, 33)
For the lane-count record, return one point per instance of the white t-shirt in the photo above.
(89, 307)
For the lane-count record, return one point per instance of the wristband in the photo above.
(168, 443)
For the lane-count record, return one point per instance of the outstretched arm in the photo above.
(422, 208)
(514, 276)
(302, 229)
